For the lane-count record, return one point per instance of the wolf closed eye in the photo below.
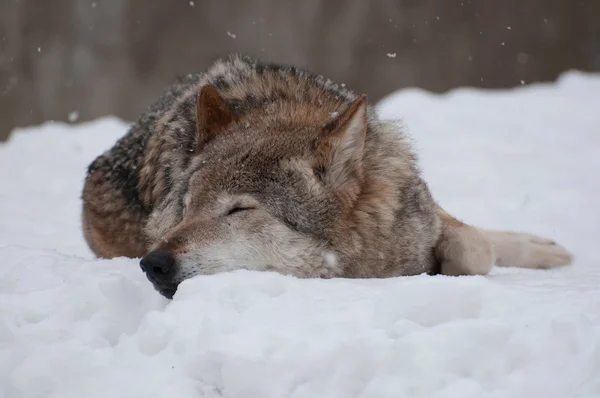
(238, 209)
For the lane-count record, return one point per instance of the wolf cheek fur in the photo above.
(267, 167)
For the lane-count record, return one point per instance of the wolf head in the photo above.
(271, 189)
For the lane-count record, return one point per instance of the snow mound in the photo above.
(527, 159)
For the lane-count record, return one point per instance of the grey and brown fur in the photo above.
(266, 167)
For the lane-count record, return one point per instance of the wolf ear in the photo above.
(340, 152)
(212, 115)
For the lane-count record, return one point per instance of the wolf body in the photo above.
(268, 167)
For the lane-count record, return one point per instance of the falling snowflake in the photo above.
(232, 35)
(391, 55)
(73, 116)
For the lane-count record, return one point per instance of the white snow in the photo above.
(526, 159)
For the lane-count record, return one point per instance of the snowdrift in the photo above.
(525, 159)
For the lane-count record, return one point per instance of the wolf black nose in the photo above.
(157, 264)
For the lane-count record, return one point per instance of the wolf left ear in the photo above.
(340, 152)
(212, 115)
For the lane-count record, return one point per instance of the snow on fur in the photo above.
(526, 159)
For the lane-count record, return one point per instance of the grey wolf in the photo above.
(268, 167)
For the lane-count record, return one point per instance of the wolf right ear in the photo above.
(212, 115)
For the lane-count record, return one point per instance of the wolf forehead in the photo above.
(286, 185)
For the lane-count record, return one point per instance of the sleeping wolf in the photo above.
(267, 167)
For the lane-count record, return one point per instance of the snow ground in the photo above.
(528, 158)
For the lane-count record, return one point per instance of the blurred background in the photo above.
(75, 60)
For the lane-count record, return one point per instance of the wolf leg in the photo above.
(462, 249)
(466, 250)
(518, 249)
